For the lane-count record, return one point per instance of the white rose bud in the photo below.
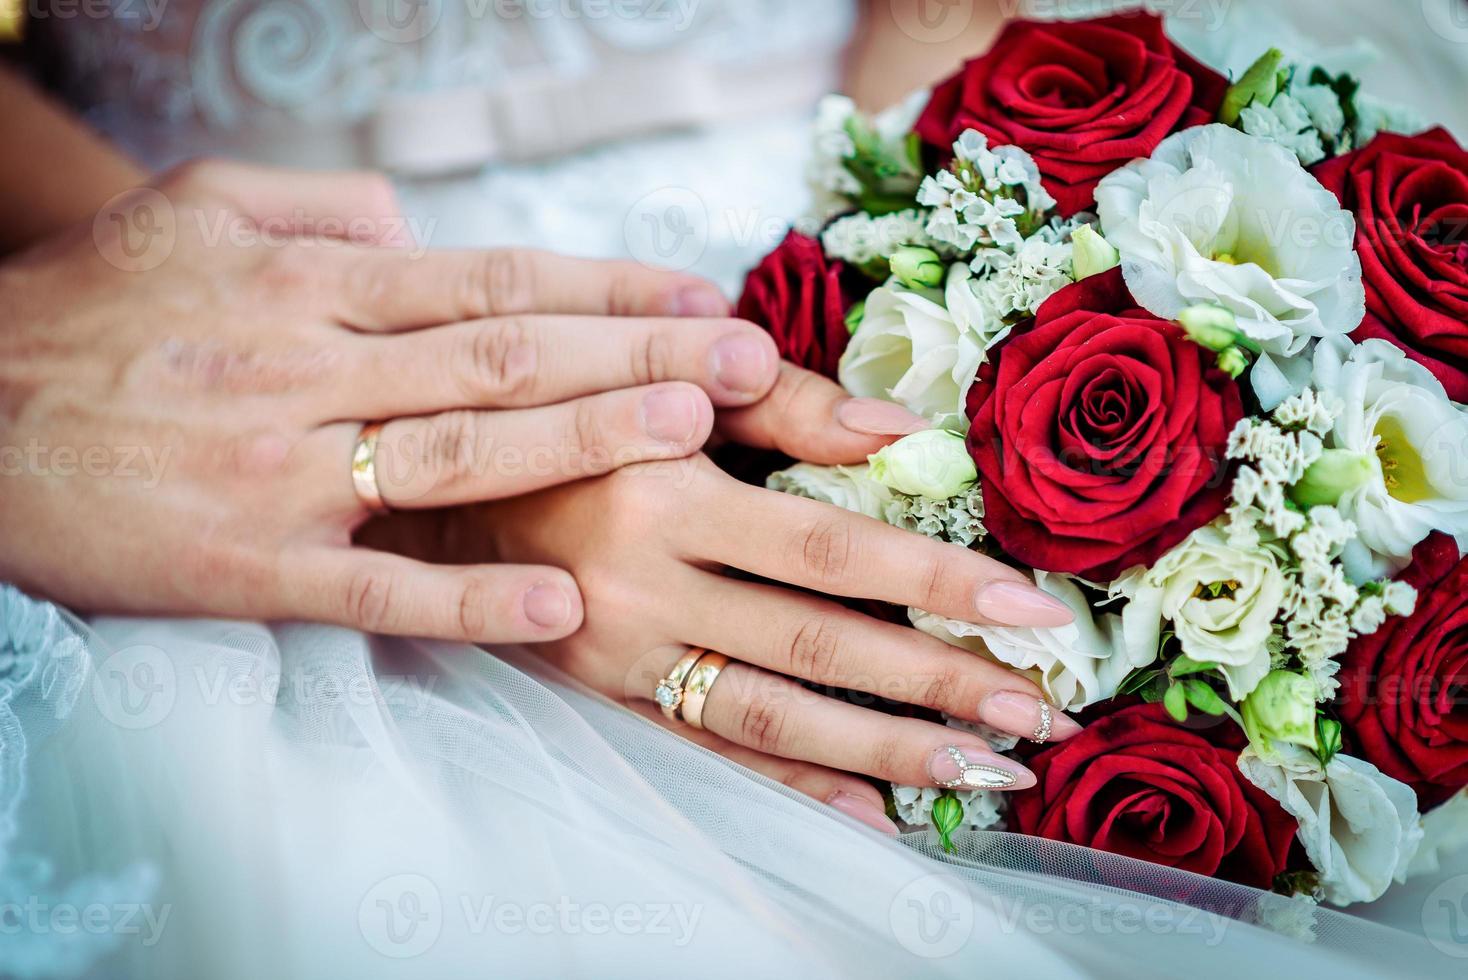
(934, 463)
(1093, 254)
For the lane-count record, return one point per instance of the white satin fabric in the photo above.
(319, 803)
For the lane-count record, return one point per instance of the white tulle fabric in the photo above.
(313, 802)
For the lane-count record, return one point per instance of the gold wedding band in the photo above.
(669, 692)
(700, 682)
(364, 468)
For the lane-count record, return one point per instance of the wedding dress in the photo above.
(228, 799)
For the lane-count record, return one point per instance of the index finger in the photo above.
(388, 290)
(819, 546)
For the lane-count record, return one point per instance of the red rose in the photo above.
(1404, 688)
(1410, 198)
(796, 295)
(1100, 433)
(1138, 784)
(1083, 97)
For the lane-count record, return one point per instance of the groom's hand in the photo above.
(184, 379)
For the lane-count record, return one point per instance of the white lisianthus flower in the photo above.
(922, 348)
(1221, 600)
(1075, 665)
(1398, 419)
(1359, 826)
(848, 487)
(1218, 216)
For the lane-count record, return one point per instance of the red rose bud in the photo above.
(1100, 434)
(796, 295)
(1404, 688)
(1083, 97)
(1138, 784)
(1410, 198)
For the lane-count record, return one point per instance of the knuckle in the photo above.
(761, 726)
(503, 362)
(815, 648)
(502, 281)
(370, 600)
(940, 688)
(885, 757)
(933, 583)
(587, 431)
(826, 550)
(651, 357)
(449, 443)
(473, 608)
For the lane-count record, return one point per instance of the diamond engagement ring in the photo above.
(669, 691)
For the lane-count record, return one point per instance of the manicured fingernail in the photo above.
(699, 301)
(1018, 604)
(670, 415)
(874, 417)
(741, 363)
(1024, 715)
(978, 768)
(547, 605)
(864, 810)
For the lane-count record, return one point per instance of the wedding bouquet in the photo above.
(1192, 352)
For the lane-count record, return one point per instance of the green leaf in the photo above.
(1327, 738)
(1185, 665)
(1176, 702)
(1203, 697)
(1139, 679)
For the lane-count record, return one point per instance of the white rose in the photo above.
(921, 348)
(1397, 417)
(1218, 216)
(1359, 826)
(848, 487)
(1075, 665)
(1222, 602)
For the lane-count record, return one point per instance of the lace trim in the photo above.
(44, 665)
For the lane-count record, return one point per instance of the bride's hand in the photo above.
(651, 545)
(182, 388)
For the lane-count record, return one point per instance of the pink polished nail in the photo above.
(742, 363)
(1024, 715)
(976, 767)
(875, 417)
(864, 810)
(546, 605)
(1019, 604)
